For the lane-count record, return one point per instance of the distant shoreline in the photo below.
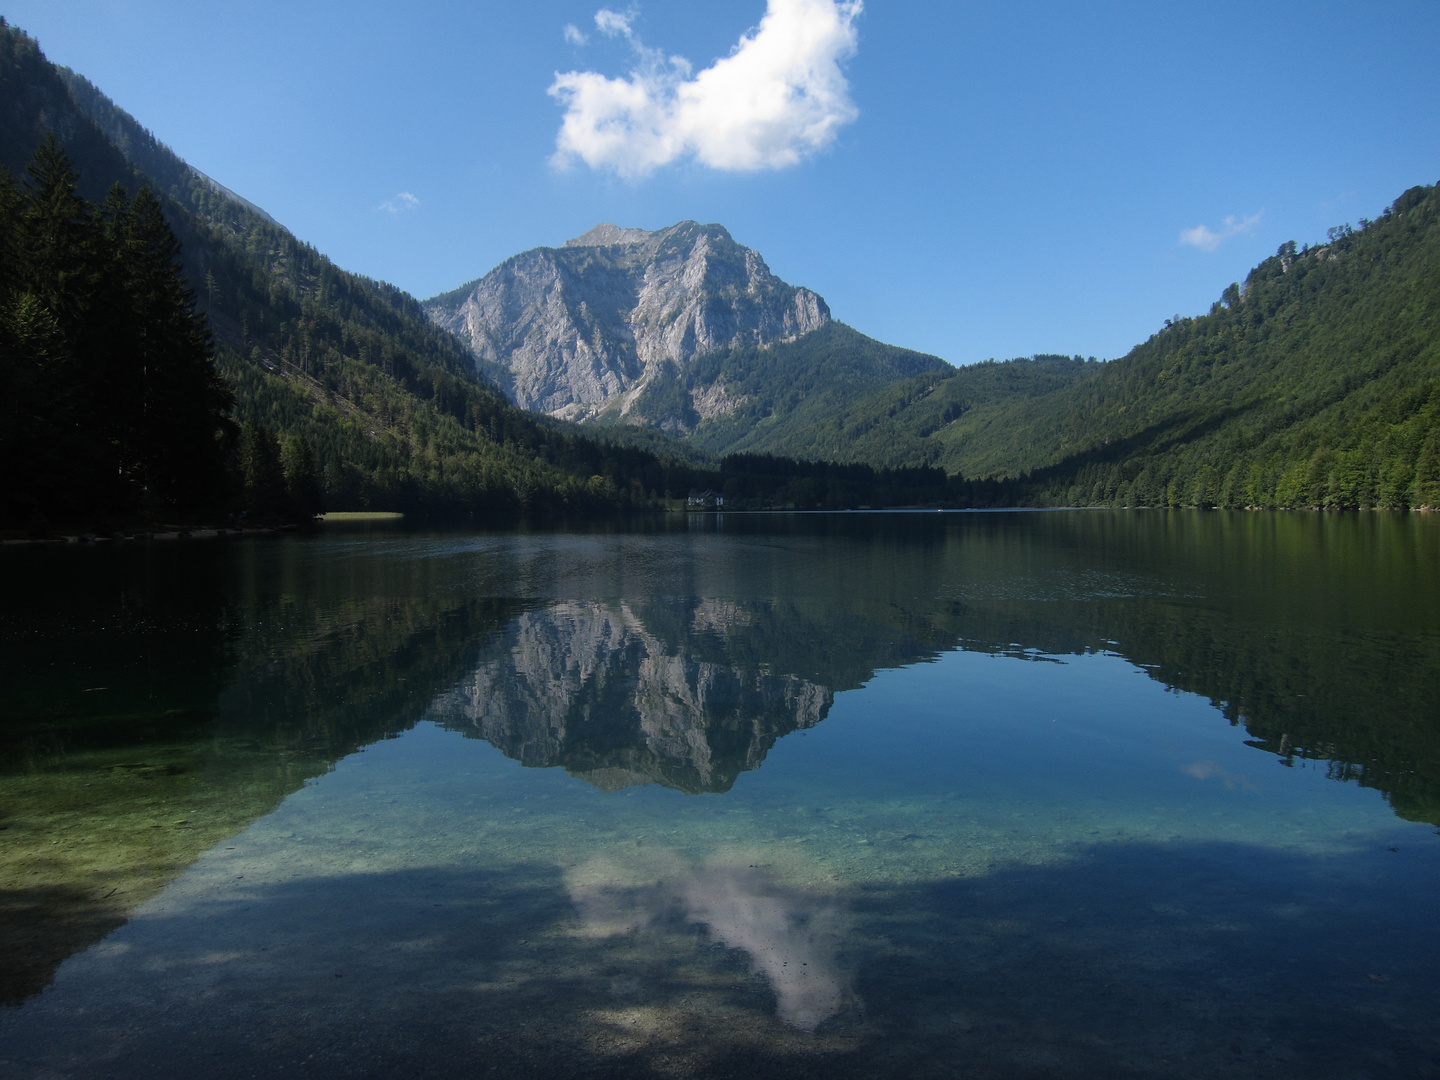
(363, 517)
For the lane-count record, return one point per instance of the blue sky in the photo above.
(969, 179)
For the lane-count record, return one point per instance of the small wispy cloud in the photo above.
(779, 97)
(402, 202)
(616, 23)
(1208, 239)
(574, 35)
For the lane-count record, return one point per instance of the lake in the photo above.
(987, 794)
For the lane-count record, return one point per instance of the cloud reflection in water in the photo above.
(791, 935)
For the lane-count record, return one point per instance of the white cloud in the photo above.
(1208, 239)
(403, 201)
(779, 96)
(616, 23)
(573, 35)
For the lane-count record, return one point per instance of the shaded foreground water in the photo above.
(1110, 794)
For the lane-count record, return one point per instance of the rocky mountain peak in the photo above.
(584, 330)
(607, 235)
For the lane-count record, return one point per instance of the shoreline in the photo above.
(201, 533)
(210, 532)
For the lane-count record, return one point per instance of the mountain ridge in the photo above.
(679, 329)
(582, 331)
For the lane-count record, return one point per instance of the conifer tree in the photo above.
(260, 469)
(57, 238)
(50, 247)
(181, 398)
(302, 479)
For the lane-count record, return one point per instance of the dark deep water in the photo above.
(1028, 794)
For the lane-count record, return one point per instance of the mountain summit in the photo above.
(583, 331)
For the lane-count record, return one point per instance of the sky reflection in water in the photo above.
(792, 937)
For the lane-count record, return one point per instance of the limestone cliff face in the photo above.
(586, 686)
(583, 330)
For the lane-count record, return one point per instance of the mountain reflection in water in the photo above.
(588, 686)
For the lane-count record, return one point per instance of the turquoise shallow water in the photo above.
(993, 795)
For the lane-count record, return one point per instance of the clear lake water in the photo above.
(1109, 793)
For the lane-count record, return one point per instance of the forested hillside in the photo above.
(944, 417)
(1316, 383)
(345, 369)
(781, 395)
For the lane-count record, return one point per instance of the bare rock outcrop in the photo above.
(581, 331)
